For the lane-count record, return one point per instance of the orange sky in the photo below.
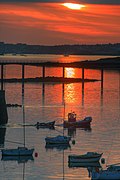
(53, 23)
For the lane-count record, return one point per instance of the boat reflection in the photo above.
(59, 147)
(84, 165)
(72, 130)
(2, 136)
(89, 166)
(19, 159)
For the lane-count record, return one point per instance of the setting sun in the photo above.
(73, 6)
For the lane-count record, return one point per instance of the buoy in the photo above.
(36, 154)
(103, 160)
(73, 142)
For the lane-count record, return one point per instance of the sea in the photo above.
(53, 101)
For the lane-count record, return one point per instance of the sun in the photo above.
(73, 6)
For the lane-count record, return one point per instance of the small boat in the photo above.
(58, 140)
(112, 172)
(89, 157)
(45, 125)
(19, 159)
(20, 151)
(72, 122)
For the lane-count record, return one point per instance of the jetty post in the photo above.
(102, 79)
(23, 76)
(63, 72)
(43, 71)
(3, 108)
(2, 77)
(83, 80)
(82, 86)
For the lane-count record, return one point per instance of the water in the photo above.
(54, 104)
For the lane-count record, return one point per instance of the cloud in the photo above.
(111, 2)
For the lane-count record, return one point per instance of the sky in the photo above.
(49, 22)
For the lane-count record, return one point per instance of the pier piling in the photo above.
(3, 109)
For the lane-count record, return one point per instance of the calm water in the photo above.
(54, 104)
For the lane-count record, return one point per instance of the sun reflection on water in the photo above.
(69, 72)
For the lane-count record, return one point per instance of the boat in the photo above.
(58, 140)
(50, 125)
(72, 122)
(112, 172)
(19, 159)
(19, 151)
(89, 157)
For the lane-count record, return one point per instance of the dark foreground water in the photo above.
(54, 103)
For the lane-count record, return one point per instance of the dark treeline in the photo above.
(97, 49)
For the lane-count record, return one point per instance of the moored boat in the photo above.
(19, 159)
(72, 122)
(58, 140)
(112, 172)
(49, 125)
(89, 157)
(20, 151)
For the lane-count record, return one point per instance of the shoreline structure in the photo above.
(106, 63)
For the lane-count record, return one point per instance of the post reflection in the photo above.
(2, 136)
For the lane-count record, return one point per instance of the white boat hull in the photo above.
(17, 152)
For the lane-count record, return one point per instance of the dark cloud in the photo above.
(112, 2)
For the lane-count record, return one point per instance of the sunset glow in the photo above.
(70, 72)
(73, 6)
(55, 23)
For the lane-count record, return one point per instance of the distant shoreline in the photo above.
(48, 79)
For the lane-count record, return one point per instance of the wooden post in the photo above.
(83, 79)
(82, 86)
(43, 72)
(23, 75)
(63, 72)
(2, 77)
(3, 109)
(102, 79)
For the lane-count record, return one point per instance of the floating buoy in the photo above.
(36, 154)
(103, 160)
(73, 142)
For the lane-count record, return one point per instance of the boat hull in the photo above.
(106, 175)
(49, 125)
(17, 152)
(87, 158)
(77, 124)
(58, 140)
(19, 159)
